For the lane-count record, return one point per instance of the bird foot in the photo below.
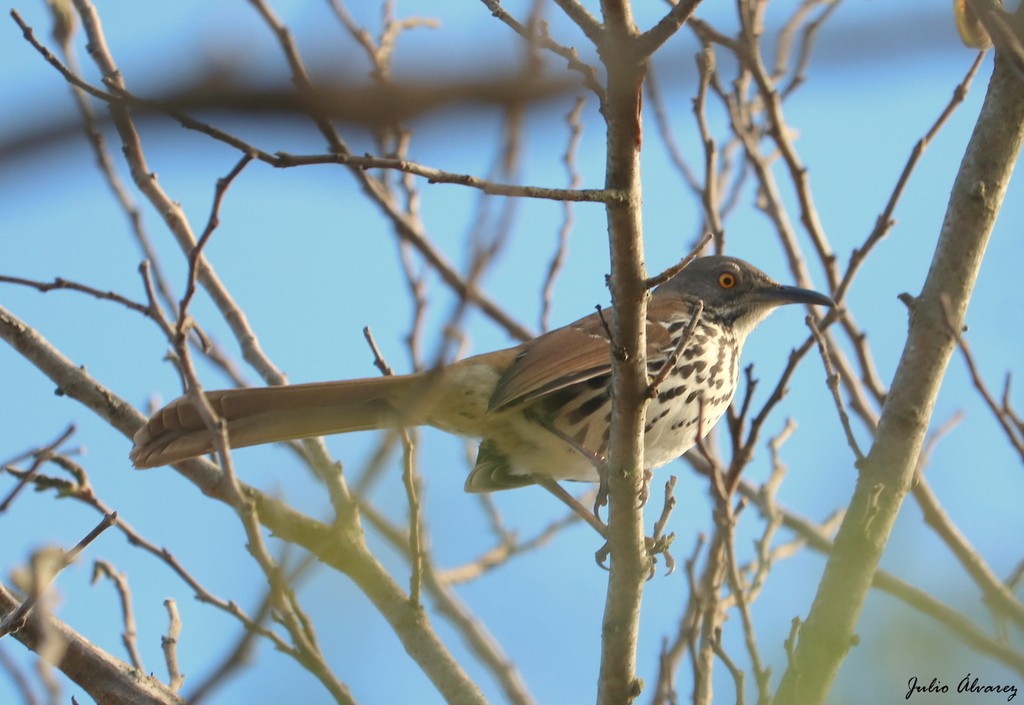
(645, 489)
(601, 499)
(659, 545)
(653, 545)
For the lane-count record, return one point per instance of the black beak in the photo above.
(794, 295)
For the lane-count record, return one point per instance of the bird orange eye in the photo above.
(727, 280)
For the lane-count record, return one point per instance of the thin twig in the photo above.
(742, 599)
(998, 597)
(670, 362)
(439, 176)
(169, 643)
(652, 39)
(885, 220)
(129, 635)
(738, 677)
(1002, 413)
(410, 480)
(235, 657)
(543, 40)
(42, 578)
(507, 548)
(40, 456)
(80, 489)
(59, 283)
(832, 380)
(572, 119)
(680, 265)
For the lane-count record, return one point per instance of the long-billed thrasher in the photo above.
(542, 408)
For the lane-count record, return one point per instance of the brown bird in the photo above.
(542, 409)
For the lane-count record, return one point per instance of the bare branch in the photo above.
(574, 178)
(169, 642)
(651, 40)
(105, 678)
(437, 176)
(673, 358)
(887, 471)
(544, 41)
(885, 221)
(129, 635)
(59, 284)
(832, 379)
(44, 571)
(40, 456)
(681, 264)
(583, 19)
(1002, 412)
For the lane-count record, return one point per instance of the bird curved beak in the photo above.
(794, 295)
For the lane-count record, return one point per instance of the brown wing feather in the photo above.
(574, 353)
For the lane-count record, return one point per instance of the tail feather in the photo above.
(265, 414)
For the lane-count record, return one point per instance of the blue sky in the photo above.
(312, 263)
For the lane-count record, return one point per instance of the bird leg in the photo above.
(598, 461)
(655, 544)
(575, 505)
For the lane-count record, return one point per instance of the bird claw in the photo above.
(659, 545)
(645, 489)
(601, 499)
(653, 545)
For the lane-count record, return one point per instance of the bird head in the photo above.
(735, 292)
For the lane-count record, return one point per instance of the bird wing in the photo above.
(573, 354)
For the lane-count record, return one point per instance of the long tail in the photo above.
(267, 414)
